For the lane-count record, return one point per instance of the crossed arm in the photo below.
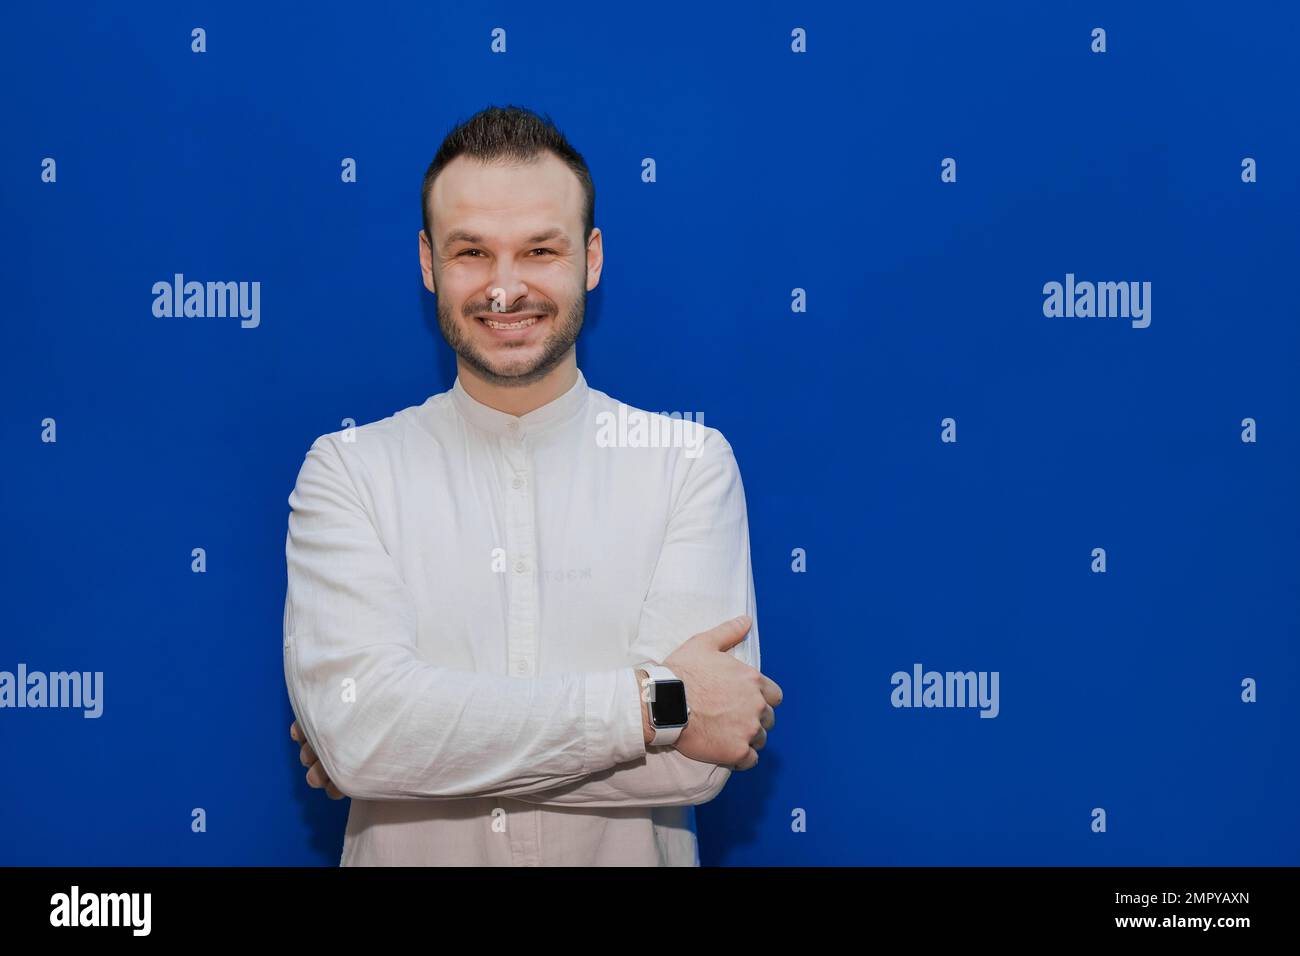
(418, 731)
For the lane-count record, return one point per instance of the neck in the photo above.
(521, 399)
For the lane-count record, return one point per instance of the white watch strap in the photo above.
(664, 736)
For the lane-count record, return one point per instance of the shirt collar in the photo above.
(542, 419)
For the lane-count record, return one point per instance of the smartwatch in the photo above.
(667, 703)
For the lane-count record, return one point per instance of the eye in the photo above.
(467, 252)
(547, 251)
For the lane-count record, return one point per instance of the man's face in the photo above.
(508, 265)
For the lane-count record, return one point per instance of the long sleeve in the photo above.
(704, 577)
(387, 724)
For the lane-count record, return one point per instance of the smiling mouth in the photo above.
(523, 323)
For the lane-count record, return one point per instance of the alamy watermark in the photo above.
(76, 689)
(1102, 300)
(76, 908)
(242, 300)
(947, 689)
(633, 428)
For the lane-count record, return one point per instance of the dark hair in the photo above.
(509, 134)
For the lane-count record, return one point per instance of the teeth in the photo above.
(522, 324)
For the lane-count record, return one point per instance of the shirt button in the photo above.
(517, 483)
(521, 668)
(521, 567)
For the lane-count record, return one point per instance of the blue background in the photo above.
(775, 171)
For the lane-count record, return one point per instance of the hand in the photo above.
(731, 703)
(316, 776)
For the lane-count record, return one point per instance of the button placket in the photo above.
(523, 608)
(521, 546)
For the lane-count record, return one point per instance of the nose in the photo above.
(505, 291)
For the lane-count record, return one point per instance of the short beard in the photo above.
(554, 348)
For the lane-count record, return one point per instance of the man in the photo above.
(484, 589)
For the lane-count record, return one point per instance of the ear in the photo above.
(426, 262)
(595, 258)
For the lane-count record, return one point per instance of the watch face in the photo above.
(668, 703)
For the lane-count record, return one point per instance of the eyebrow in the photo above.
(550, 235)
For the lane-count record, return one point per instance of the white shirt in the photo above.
(468, 595)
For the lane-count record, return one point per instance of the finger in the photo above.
(768, 720)
(334, 792)
(759, 740)
(771, 691)
(294, 732)
(729, 633)
(316, 776)
(750, 759)
(307, 756)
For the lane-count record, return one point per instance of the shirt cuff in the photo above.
(615, 733)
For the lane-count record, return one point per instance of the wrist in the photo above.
(647, 729)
